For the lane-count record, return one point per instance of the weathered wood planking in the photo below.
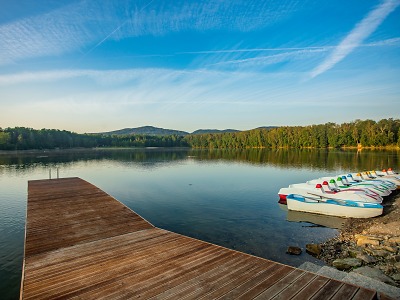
(82, 243)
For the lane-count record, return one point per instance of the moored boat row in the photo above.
(355, 195)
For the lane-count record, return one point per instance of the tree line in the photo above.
(367, 133)
(21, 138)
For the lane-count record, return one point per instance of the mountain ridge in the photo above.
(151, 130)
(145, 130)
(206, 131)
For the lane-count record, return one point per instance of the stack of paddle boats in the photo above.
(353, 195)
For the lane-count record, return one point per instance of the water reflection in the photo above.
(323, 159)
(313, 219)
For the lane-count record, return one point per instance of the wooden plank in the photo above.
(346, 291)
(241, 289)
(295, 287)
(237, 281)
(224, 283)
(71, 225)
(205, 280)
(282, 284)
(329, 290)
(114, 269)
(365, 294)
(151, 282)
(131, 240)
(82, 243)
(312, 288)
(96, 254)
(266, 283)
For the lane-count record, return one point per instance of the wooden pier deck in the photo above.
(82, 243)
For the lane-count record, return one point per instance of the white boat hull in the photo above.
(348, 209)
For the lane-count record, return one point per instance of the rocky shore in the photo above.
(370, 247)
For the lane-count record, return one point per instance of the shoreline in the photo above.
(370, 247)
(79, 150)
(359, 149)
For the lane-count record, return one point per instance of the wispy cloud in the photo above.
(266, 60)
(258, 58)
(360, 32)
(387, 42)
(166, 86)
(383, 43)
(86, 25)
(102, 77)
(167, 16)
(60, 31)
(138, 95)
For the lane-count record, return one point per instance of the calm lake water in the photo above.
(227, 197)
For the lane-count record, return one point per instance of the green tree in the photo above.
(4, 140)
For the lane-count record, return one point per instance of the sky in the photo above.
(102, 65)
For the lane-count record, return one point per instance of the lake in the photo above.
(226, 197)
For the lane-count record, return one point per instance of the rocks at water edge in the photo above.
(375, 256)
(367, 259)
(293, 250)
(313, 249)
(347, 263)
(375, 274)
(366, 240)
(375, 242)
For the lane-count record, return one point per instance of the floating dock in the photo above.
(82, 243)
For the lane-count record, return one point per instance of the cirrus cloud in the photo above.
(360, 32)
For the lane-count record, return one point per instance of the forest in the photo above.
(21, 138)
(365, 133)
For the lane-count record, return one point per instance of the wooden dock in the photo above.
(82, 243)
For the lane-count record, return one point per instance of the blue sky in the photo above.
(91, 66)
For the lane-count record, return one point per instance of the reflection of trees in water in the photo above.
(149, 158)
(307, 158)
(23, 162)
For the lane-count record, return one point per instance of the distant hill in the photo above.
(145, 130)
(267, 127)
(207, 131)
(151, 130)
